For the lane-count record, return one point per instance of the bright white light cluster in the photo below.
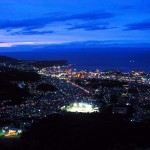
(82, 107)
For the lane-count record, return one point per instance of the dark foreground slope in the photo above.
(85, 131)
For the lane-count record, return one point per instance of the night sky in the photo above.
(44, 22)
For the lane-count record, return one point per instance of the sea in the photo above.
(120, 59)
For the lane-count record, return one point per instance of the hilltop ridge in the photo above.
(8, 59)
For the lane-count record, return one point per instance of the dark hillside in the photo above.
(85, 131)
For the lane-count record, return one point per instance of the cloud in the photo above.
(142, 26)
(25, 46)
(41, 22)
(28, 24)
(91, 16)
(90, 27)
(32, 32)
(18, 44)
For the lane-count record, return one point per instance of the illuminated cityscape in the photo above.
(114, 89)
(62, 89)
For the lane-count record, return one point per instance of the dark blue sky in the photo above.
(78, 22)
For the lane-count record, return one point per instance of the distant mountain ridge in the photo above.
(37, 63)
(7, 59)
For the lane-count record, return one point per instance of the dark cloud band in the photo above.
(90, 27)
(32, 32)
(143, 26)
(37, 23)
